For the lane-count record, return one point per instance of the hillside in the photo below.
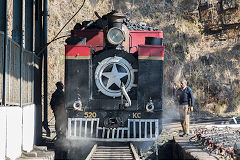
(201, 39)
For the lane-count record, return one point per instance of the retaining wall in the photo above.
(16, 130)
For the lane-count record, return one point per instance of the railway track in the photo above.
(103, 152)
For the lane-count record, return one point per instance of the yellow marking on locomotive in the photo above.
(77, 57)
(150, 58)
(136, 115)
(90, 114)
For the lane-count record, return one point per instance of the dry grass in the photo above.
(217, 83)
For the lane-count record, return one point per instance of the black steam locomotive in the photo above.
(113, 81)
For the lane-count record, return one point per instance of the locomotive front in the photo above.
(113, 81)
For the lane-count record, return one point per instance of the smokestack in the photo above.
(116, 5)
(116, 20)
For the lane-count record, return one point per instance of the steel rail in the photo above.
(136, 156)
(92, 152)
(127, 152)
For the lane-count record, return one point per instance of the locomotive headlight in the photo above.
(78, 105)
(115, 36)
(150, 106)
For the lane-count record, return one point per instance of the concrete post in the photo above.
(45, 35)
(29, 35)
(17, 34)
(38, 73)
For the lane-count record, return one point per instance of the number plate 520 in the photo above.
(90, 114)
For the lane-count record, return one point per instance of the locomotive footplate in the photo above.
(114, 116)
(114, 125)
(100, 114)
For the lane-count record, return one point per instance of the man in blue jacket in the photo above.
(186, 103)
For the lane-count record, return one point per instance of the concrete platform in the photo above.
(38, 153)
(187, 150)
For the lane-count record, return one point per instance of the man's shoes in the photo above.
(185, 135)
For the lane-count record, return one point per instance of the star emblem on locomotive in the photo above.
(114, 77)
(111, 72)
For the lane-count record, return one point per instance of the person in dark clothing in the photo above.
(57, 105)
(186, 103)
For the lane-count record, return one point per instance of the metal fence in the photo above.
(13, 74)
(27, 83)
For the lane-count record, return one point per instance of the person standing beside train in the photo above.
(57, 105)
(186, 102)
